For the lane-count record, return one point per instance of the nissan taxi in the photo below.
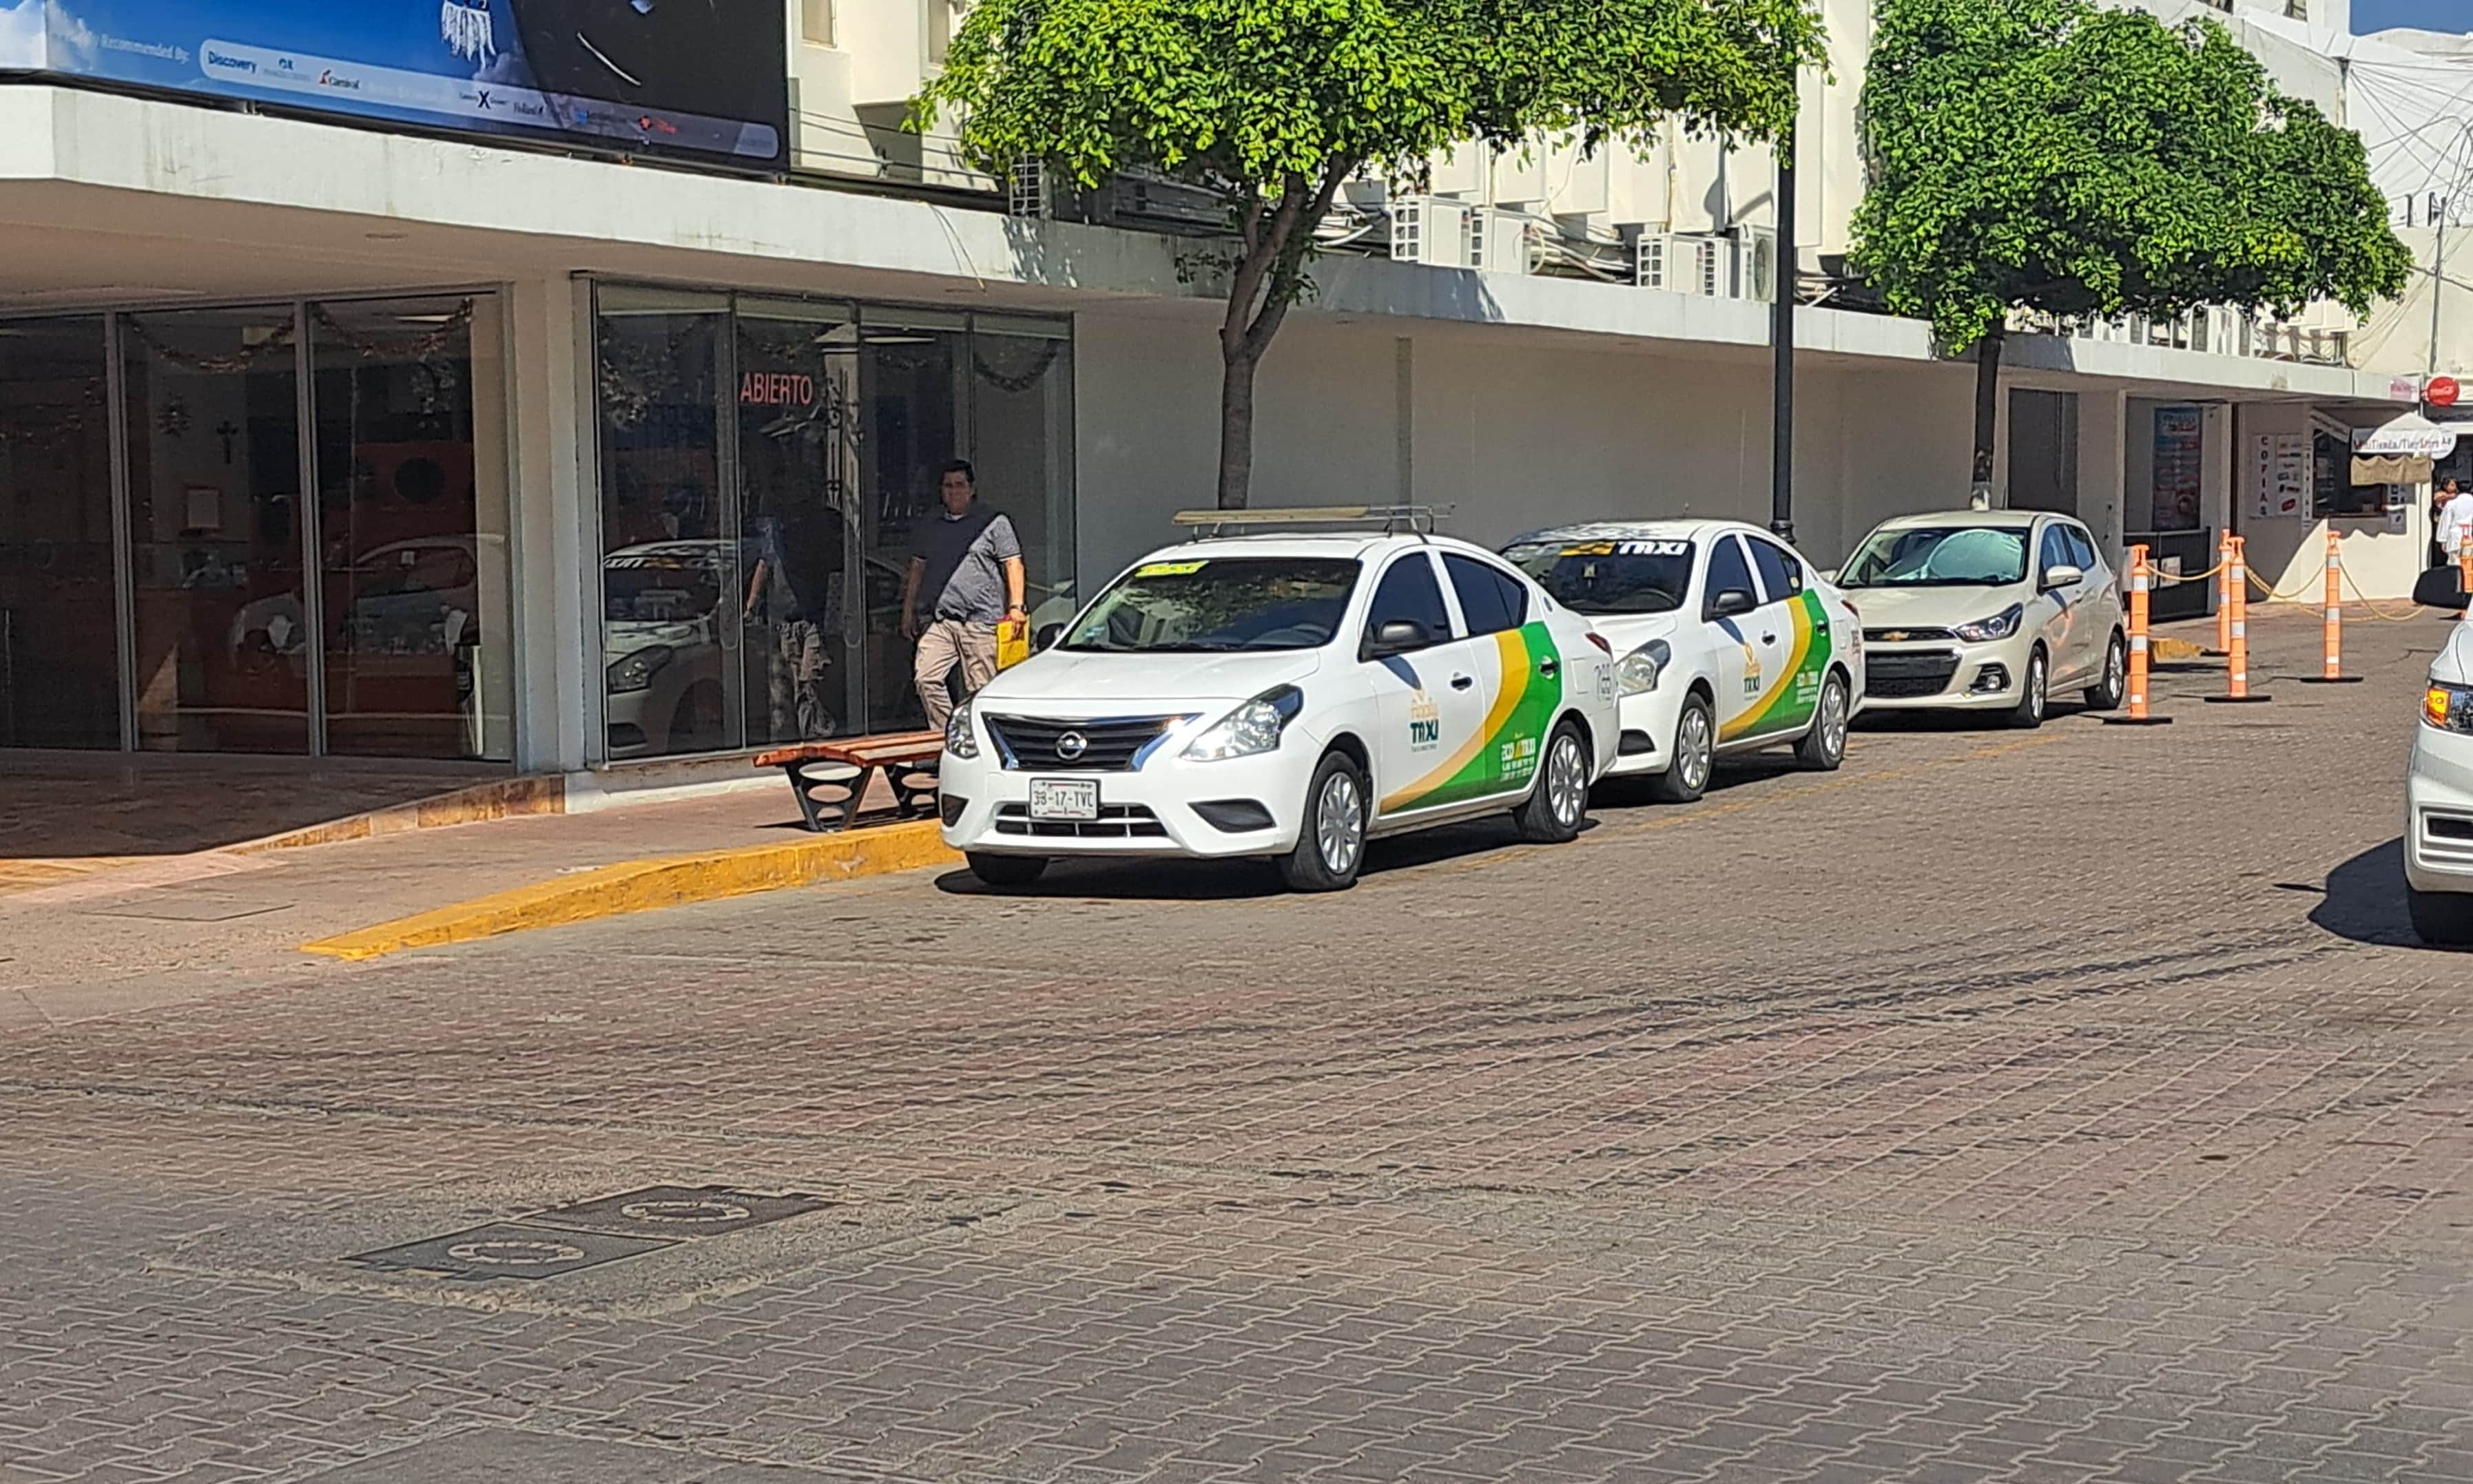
(1288, 696)
(1726, 641)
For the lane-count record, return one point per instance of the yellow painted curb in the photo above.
(645, 885)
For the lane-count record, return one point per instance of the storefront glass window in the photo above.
(59, 667)
(223, 644)
(413, 521)
(768, 467)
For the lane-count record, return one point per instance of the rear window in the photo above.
(1609, 577)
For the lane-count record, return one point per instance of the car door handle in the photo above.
(1462, 682)
(1769, 638)
(1550, 667)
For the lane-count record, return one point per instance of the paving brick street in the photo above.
(2051, 1106)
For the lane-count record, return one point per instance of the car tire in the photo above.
(1330, 843)
(1557, 805)
(1823, 744)
(1693, 756)
(1006, 869)
(2443, 919)
(2035, 693)
(2106, 693)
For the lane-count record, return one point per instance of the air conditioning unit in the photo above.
(1500, 242)
(1756, 263)
(1139, 197)
(1682, 263)
(1431, 231)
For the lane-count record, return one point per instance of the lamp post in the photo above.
(1782, 350)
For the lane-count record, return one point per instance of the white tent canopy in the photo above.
(2410, 435)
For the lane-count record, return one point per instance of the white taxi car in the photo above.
(1289, 696)
(2438, 783)
(1727, 642)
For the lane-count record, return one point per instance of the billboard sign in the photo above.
(696, 79)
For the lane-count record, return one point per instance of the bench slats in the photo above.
(859, 751)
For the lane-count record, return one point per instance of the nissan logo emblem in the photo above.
(1072, 744)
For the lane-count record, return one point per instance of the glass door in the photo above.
(59, 662)
(913, 366)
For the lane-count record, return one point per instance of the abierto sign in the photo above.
(691, 78)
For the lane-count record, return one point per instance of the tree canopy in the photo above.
(1279, 103)
(2083, 162)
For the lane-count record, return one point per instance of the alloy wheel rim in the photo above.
(1832, 720)
(2035, 685)
(1566, 782)
(1694, 762)
(1339, 824)
(2116, 662)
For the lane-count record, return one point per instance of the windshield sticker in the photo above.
(1169, 569)
(1655, 549)
(1591, 549)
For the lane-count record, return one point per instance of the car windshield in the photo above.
(1211, 603)
(1609, 577)
(1938, 557)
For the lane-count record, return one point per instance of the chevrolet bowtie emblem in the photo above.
(1894, 636)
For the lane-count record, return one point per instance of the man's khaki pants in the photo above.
(949, 642)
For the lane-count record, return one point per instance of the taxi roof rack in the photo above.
(1393, 519)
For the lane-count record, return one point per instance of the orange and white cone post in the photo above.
(2237, 691)
(2333, 672)
(2142, 583)
(2224, 595)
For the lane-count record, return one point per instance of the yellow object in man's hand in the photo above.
(1013, 642)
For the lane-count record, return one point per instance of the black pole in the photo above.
(1782, 350)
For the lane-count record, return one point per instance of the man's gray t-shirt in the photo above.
(965, 556)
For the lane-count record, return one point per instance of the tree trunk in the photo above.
(1988, 406)
(1236, 430)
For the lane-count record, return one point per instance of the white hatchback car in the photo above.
(1288, 696)
(1989, 610)
(2439, 787)
(1727, 642)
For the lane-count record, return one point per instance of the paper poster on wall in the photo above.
(2281, 475)
(2179, 443)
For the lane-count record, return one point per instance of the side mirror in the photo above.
(2056, 577)
(1731, 602)
(1397, 637)
(2441, 587)
(1047, 637)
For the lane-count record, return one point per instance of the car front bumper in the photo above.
(1945, 675)
(2438, 811)
(1150, 812)
(1646, 743)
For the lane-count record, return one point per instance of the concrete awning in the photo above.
(2410, 435)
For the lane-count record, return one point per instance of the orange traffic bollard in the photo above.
(2237, 691)
(2142, 582)
(2465, 583)
(2224, 596)
(2334, 672)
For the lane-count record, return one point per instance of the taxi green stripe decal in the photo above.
(1503, 754)
(1795, 694)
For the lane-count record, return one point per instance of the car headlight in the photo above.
(635, 671)
(2448, 707)
(1252, 728)
(1638, 670)
(2000, 626)
(961, 737)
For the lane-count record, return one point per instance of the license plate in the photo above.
(1065, 798)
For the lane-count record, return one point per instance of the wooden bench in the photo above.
(831, 779)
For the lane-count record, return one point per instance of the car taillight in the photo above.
(1600, 640)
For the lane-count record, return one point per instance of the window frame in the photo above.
(1708, 588)
(1443, 599)
(1792, 564)
(1507, 588)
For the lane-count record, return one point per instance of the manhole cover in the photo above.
(505, 1249)
(673, 1212)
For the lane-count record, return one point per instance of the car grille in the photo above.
(1890, 674)
(1116, 822)
(1114, 746)
(1908, 637)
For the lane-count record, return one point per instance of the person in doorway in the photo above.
(798, 569)
(968, 570)
(2439, 499)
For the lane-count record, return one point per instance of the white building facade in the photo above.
(330, 437)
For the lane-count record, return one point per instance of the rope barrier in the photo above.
(2410, 615)
(2276, 595)
(2171, 579)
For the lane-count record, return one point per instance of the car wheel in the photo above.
(1557, 805)
(1007, 870)
(2106, 694)
(2443, 919)
(2035, 695)
(1823, 746)
(1331, 846)
(1695, 753)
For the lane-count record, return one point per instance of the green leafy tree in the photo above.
(1279, 103)
(2085, 163)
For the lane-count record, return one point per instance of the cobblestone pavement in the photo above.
(2043, 1107)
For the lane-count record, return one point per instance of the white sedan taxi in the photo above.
(1726, 641)
(1289, 697)
(2438, 783)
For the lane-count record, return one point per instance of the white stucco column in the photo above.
(556, 546)
(2216, 469)
(2103, 464)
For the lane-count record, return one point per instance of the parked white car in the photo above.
(1725, 642)
(2438, 785)
(1988, 611)
(1288, 696)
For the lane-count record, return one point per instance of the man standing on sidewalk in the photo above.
(969, 568)
(2454, 533)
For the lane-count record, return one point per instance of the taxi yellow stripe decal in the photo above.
(1763, 714)
(1512, 651)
